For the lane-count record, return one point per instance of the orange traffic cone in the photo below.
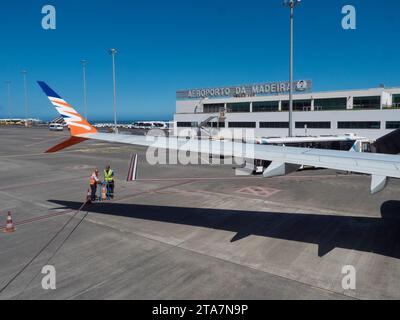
(103, 193)
(10, 225)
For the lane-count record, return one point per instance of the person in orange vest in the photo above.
(94, 180)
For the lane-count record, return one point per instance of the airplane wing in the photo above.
(379, 166)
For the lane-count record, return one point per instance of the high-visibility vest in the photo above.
(108, 175)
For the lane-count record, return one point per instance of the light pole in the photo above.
(84, 62)
(113, 52)
(8, 84)
(24, 73)
(291, 4)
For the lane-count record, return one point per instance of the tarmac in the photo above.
(188, 232)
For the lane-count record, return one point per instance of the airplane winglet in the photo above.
(47, 90)
(75, 122)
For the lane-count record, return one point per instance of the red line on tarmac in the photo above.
(57, 214)
(39, 218)
(38, 183)
(244, 178)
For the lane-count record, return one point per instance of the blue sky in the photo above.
(164, 46)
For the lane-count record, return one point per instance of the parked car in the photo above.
(56, 127)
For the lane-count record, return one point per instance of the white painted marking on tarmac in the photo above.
(258, 191)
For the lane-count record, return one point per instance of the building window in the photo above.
(274, 125)
(267, 106)
(215, 124)
(313, 125)
(393, 125)
(298, 105)
(242, 124)
(330, 104)
(239, 107)
(359, 125)
(213, 107)
(186, 124)
(367, 102)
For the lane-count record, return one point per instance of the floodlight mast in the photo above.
(8, 86)
(26, 108)
(84, 63)
(113, 52)
(291, 4)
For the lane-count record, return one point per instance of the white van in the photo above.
(56, 127)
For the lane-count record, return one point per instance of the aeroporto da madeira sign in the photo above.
(245, 90)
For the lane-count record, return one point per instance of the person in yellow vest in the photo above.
(109, 180)
(93, 181)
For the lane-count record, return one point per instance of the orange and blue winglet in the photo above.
(75, 122)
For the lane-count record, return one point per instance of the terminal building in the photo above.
(370, 113)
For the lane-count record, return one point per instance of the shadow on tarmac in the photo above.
(379, 235)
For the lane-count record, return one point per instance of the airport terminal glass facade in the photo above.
(267, 106)
(274, 125)
(238, 107)
(313, 125)
(330, 104)
(369, 113)
(186, 124)
(323, 104)
(367, 102)
(392, 125)
(242, 124)
(213, 108)
(359, 125)
(298, 105)
(215, 124)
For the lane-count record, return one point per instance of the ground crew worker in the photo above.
(94, 180)
(109, 180)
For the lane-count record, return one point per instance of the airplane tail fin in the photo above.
(75, 122)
